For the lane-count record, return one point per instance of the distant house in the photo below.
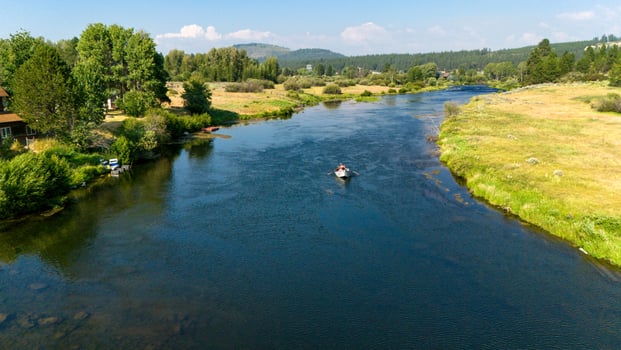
(11, 125)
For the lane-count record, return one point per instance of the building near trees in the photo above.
(13, 126)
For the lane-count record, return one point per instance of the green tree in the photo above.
(136, 103)
(319, 69)
(13, 53)
(615, 73)
(566, 63)
(68, 50)
(271, 69)
(92, 72)
(414, 74)
(542, 65)
(330, 70)
(44, 93)
(196, 96)
(173, 63)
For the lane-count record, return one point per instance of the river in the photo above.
(249, 242)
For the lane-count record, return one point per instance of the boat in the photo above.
(342, 171)
(210, 129)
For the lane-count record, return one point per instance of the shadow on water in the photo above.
(58, 238)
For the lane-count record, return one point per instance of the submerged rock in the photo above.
(46, 321)
(38, 286)
(81, 315)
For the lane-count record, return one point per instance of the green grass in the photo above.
(544, 155)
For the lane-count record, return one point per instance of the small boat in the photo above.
(210, 129)
(342, 171)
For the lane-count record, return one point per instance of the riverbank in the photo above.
(543, 154)
(273, 102)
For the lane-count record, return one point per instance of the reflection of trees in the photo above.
(59, 239)
(198, 148)
(333, 104)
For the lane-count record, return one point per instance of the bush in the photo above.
(291, 85)
(332, 89)
(610, 103)
(123, 149)
(366, 93)
(32, 182)
(451, 109)
(244, 87)
(86, 173)
(136, 103)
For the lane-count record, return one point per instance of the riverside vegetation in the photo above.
(225, 85)
(546, 154)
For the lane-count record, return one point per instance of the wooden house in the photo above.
(11, 125)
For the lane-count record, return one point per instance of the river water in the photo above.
(249, 242)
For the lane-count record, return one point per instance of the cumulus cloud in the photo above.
(577, 16)
(367, 32)
(193, 31)
(247, 34)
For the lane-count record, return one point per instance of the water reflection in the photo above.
(332, 104)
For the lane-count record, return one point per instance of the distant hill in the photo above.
(285, 56)
(262, 51)
(447, 60)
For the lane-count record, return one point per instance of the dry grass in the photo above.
(544, 154)
(268, 101)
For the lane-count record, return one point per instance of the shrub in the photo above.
(248, 86)
(291, 85)
(85, 174)
(610, 103)
(123, 149)
(32, 182)
(332, 89)
(451, 109)
(366, 93)
(136, 103)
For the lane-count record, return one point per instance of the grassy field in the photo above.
(270, 100)
(543, 154)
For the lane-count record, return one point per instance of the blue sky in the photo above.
(349, 27)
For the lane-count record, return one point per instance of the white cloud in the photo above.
(437, 30)
(364, 33)
(530, 38)
(577, 16)
(193, 31)
(247, 34)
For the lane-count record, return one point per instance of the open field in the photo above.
(268, 101)
(542, 153)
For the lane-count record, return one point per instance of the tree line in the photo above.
(61, 89)
(546, 62)
(219, 65)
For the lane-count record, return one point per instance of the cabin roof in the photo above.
(9, 118)
(3, 93)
